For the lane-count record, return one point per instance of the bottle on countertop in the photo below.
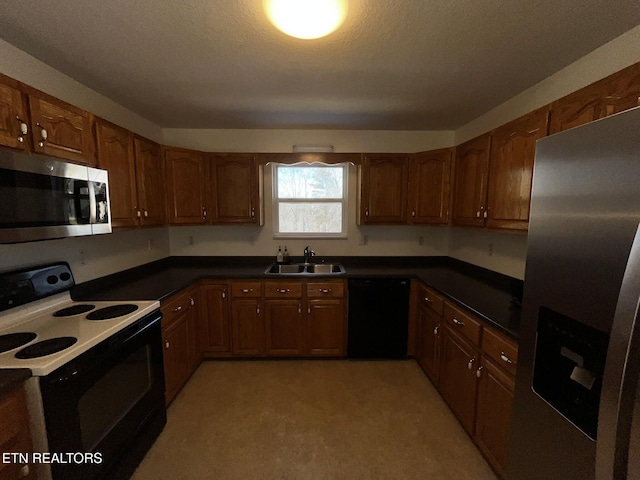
(285, 255)
(279, 256)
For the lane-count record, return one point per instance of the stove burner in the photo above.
(15, 340)
(74, 310)
(112, 311)
(46, 347)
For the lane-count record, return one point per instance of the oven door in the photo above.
(108, 401)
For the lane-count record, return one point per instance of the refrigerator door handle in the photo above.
(621, 376)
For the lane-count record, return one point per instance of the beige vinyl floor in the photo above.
(311, 420)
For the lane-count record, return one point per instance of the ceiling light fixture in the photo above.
(306, 19)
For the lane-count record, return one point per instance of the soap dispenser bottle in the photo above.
(279, 256)
(285, 255)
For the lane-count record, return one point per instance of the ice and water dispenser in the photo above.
(569, 366)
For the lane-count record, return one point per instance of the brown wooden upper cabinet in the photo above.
(235, 189)
(60, 129)
(612, 94)
(383, 189)
(150, 180)
(472, 172)
(511, 170)
(186, 185)
(429, 184)
(116, 155)
(14, 123)
(136, 176)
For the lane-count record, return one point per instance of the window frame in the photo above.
(276, 201)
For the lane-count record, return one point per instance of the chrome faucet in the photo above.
(308, 254)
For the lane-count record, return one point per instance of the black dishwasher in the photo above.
(378, 317)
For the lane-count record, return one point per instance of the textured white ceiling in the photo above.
(393, 65)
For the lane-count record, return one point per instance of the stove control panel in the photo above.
(24, 286)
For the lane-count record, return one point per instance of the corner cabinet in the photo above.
(383, 189)
(472, 176)
(236, 189)
(187, 190)
(429, 187)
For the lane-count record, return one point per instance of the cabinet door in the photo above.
(472, 171)
(493, 425)
(186, 182)
(214, 314)
(234, 189)
(513, 148)
(61, 130)
(383, 194)
(613, 94)
(15, 437)
(150, 182)
(326, 327)
(176, 356)
(115, 154)
(284, 327)
(457, 380)
(193, 324)
(429, 329)
(248, 327)
(430, 187)
(13, 115)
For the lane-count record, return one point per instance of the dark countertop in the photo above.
(488, 294)
(12, 376)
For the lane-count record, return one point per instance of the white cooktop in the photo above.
(38, 317)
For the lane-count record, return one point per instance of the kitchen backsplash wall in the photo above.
(93, 256)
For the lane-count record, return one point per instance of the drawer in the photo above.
(246, 289)
(463, 323)
(325, 289)
(283, 289)
(430, 299)
(500, 348)
(174, 306)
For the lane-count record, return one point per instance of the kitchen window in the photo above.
(310, 200)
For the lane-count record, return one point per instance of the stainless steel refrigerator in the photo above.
(576, 410)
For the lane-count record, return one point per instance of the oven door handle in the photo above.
(77, 371)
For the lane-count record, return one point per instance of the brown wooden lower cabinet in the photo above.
(248, 327)
(429, 341)
(214, 318)
(283, 326)
(325, 327)
(15, 436)
(458, 382)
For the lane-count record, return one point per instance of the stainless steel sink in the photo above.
(305, 269)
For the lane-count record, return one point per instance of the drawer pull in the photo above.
(470, 364)
(325, 290)
(247, 290)
(504, 358)
(166, 344)
(458, 322)
(479, 371)
(177, 309)
(436, 330)
(428, 300)
(283, 290)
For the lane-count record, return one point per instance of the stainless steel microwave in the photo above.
(43, 198)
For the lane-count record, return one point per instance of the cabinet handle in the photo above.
(428, 300)
(479, 371)
(486, 213)
(504, 358)
(24, 471)
(166, 344)
(253, 212)
(309, 309)
(366, 213)
(470, 364)
(177, 309)
(24, 129)
(138, 214)
(413, 213)
(247, 290)
(325, 290)
(192, 301)
(224, 294)
(146, 214)
(258, 310)
(458, 322)
(436, 330)
(283, 290)
(204, 213)
(43, 135)
(299, 309)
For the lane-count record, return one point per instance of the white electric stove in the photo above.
(45, 334)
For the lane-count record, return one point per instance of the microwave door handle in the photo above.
(93, 208)
(621, 375)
